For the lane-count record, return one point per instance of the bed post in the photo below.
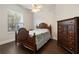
(35, 47)
(15, 38)
(50, 31)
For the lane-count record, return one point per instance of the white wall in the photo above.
(47, 15)
(6, 36)
(64, 11)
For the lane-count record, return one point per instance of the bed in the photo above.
(34, 39)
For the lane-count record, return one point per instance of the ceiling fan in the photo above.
(36, 7)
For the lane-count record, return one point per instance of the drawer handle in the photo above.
(71, 37)
(70, 32)
(70, 48)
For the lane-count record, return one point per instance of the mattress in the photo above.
(42, 36)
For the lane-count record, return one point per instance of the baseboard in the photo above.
(7, 41)
(54, 38)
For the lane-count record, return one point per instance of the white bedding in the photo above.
(42, 36)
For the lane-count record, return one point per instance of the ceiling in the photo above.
(28, 6)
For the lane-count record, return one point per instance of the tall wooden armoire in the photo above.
(68, 34)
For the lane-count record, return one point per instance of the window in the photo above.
(15, 20)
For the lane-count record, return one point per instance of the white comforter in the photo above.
(42, 36)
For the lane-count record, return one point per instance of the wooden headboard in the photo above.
(45, 26)
(42, 25)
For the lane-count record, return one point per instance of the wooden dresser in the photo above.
(68, 34)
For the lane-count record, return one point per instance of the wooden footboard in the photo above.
(23, 38)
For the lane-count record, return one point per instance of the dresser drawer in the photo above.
(71, 45)
(70, 37)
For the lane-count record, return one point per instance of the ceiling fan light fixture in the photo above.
(36, 7)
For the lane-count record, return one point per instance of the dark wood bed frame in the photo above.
(23, 37)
